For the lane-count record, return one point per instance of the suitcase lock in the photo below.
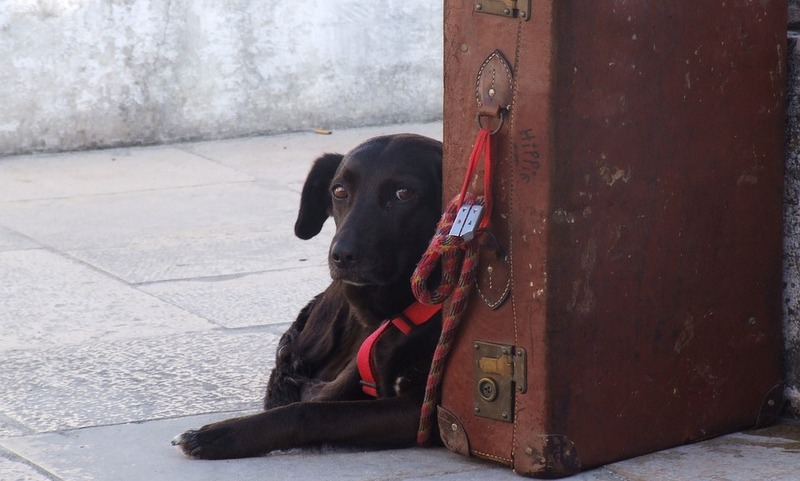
(499, 372)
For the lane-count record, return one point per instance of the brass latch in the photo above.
(499, 371)
(506, 8)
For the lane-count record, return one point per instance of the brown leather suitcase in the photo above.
(628, 299)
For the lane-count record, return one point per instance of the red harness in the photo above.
(414, 315)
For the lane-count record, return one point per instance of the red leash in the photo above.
(456, 247)
(482, 146)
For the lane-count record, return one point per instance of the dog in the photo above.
(385, 199)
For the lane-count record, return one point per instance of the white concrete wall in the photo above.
(78, 74)
(791, 228)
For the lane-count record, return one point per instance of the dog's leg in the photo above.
(382, 423)
(345, 387)
(290, 375)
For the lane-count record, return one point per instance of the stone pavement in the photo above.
(143, 290)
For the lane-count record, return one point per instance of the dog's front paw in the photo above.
(205, 443)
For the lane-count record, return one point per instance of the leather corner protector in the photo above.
(548, 456)
(772, 406)
(452, 432)
(494, 86)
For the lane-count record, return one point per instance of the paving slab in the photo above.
(142, 451)
(283, 160)
(9, 427)
(10, 240)
(47, 299)
(102, 383)
(769, 454)
(173, 233)
(108, 171)
(13, 468)
(245, 300)
(112, 220)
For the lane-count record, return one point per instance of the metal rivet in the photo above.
(523, 14)
(477, 409)
(504, 415)
(491, 92)
(506, 351)
(478, 6)
(752, 321)
(506, 11)
(529, 451)
(464, 47)
(771, 403)
(477, 346)
(454, 427)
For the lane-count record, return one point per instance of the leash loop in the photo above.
(482, 149)
(499, 124)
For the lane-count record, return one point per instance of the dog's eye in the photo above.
(404, 194)
(339, 192)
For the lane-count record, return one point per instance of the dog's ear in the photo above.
(315, 201)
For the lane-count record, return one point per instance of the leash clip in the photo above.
(467, 221)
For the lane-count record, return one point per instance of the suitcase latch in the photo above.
(499, 372)
(507, 8)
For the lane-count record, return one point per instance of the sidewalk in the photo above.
(143, 291)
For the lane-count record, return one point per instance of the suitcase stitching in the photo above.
(512, 185)
(492, 457)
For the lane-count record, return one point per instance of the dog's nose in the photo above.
(343, 255)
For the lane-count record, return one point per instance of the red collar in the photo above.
(413, 316)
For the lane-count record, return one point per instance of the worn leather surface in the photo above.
(638, 195)
(452, 432)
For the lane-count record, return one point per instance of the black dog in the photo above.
(385, 197)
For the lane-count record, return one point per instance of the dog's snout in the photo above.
(344, 255)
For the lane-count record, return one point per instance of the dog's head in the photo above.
(385, 197)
